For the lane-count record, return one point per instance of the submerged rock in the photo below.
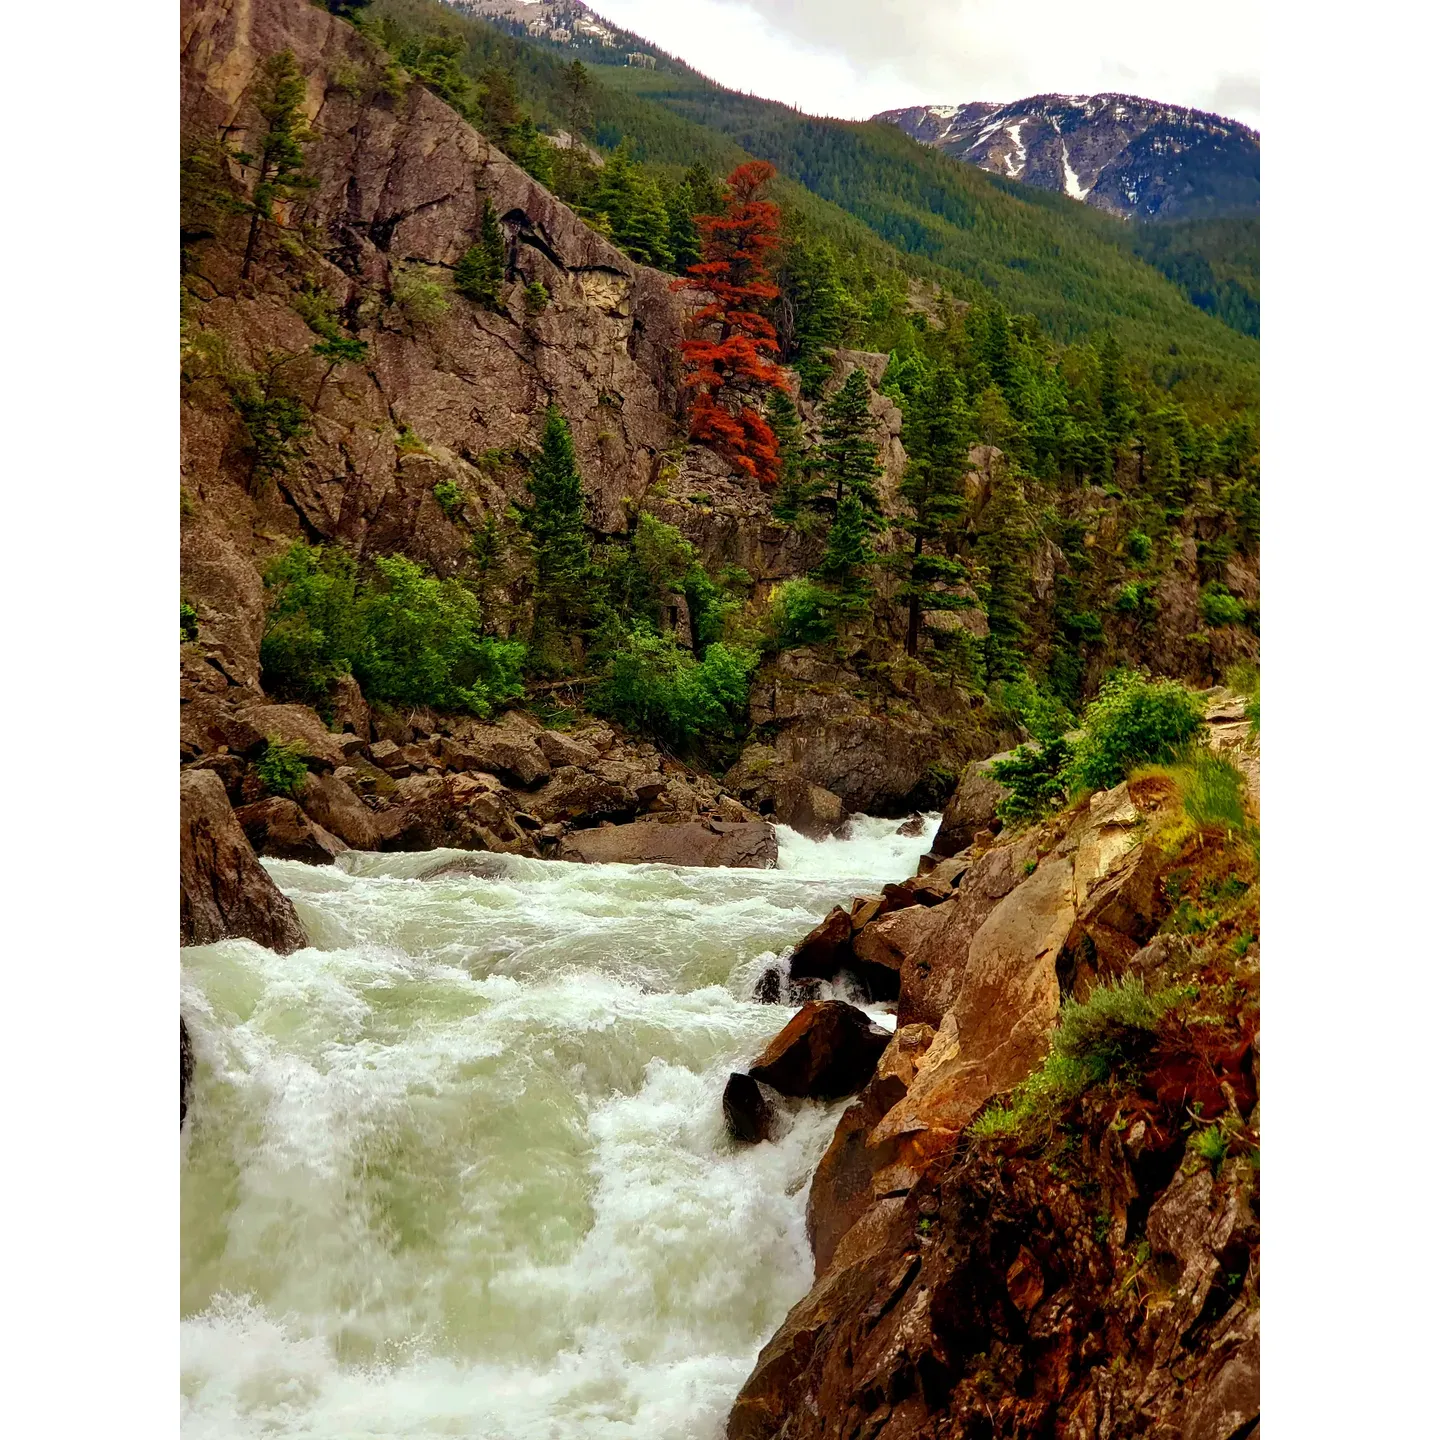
(749, 845)
(223, 888)
(748, 1114)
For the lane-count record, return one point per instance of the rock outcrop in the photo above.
(280, 828)
(828, 1049)
(223, 889)
(1097, 1276)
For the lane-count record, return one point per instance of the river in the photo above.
(459, 1168)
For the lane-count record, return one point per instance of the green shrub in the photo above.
(1219, 607)
(1211, 1144)
(422, 300)
(537, 297)
(189, 623)
(407, 636)
(1035, 776)
(1093, 1041)
(1133, 721)
(801, 613)
(653, 686)
(1022, 702)
(407, 442)
(1137, 598)
(1140, 546)
(281, 768)
(274, 426)
(450, 497)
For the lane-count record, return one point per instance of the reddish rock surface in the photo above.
(828, 1049)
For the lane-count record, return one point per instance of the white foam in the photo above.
(459, 1167)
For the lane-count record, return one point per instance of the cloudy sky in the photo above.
(853, 57)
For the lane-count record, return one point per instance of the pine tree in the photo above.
(1004, 546)
(706, 192)
(796, 489)
(848, 556)
(936, 439)
(556, 522)
(684, 238)
(481, 270)
(499, 107)
(728, 350)
(644, 233)
(849, 454)
(577, 102)
(823, 313)
(280, 164)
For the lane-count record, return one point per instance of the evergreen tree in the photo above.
(279, 165)
(848, 556)
(1004, 546)
(645, 229)
(683, 237)
(346, 9)
(706, 192)
(821, 312)
(578, 110)
(481, 270)
(936, 439)
(849, 454)
(556, 522)
(796, 489)
(499, 106)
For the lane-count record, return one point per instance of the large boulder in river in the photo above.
(335, 807)
(280, 828)
(748, 1115)
(187, 1070)
(223, 888)
(971, 807)
(828, 1049)
(747, 845)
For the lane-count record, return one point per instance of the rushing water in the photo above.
(459, 1168)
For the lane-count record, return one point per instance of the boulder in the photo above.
(216, 727)
(506, 751)
(561, 749)
(347, 705)
(828, 1049)
(888, 939)
(187, 1070)
(748, 1114)
(461, 812)
(280, 828)
(810, 809)
(573, 794)
(749, 846)
(971, 807)
(1006, 999)
(825, 951)
(224, 890)
(296, 725)
(335, 807)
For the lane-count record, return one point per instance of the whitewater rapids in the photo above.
(459, 1168)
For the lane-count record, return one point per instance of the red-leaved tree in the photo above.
(727, 352)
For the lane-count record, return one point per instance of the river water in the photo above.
(459, 1168)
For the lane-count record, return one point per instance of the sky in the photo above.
(851, 58)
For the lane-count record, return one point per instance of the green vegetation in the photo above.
(556, 522)
(1214, 793)
(408, 637)
(1215, 262)
(801, 613)
(1219, 607)
(481, 270)
(450, 498)
(1133, 721)
(421, 300)
(281, 768)
(1095, 1040)
(1035, 777)
(189, 622)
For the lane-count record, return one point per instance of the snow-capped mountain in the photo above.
(1121, 154)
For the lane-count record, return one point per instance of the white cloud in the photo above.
(854, 57)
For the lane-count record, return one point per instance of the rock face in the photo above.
(745, 846)
(223, 890)
(971, 807)
(971, 1286)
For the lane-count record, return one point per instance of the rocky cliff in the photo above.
(1040, 1215)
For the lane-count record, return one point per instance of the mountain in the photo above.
(1127, 156)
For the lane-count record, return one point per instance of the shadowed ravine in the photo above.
(460, 1167)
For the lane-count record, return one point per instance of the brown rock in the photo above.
(347, 705)
(971, 807)
(1025, 1281)
(499, 750)
(560, 749)
(748, 1114)
(187, 1070)
(810, 809)
(335, 807)
(748, 846)
(223, 888)
(280, 828)
(296, 725)
(842, 1188)
(888, 939)
(825, 951)
(572, 794)
(828, 1049)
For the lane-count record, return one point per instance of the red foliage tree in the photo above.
(729, 344)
